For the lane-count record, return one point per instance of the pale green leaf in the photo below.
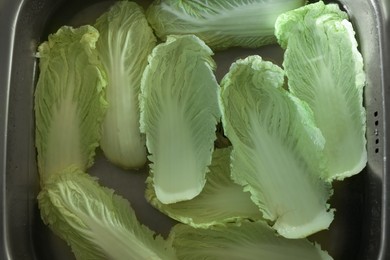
(95, 222)
(325, 69)
(220, 201)
(277, 150)
(68, 100)
(179, 113)
(244, 241)
(220, 23)
(124, 44)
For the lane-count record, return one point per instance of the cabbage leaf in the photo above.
(69, 106)
(325, 69)
(220, 201)
(95, 222)
(277, 149)
(124, 44)
(179, 113)
(220, 23)
(244, 241)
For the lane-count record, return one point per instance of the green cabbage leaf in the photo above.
(69, 104)
(123, 47)
(95, 222)
(277, 149)
(244, 241)
(179, 114)
(325, 69)
(220, 201)
(220, 23)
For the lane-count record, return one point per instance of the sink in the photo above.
(361, 227)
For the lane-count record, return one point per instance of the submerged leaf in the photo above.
(179, 113)
(277, 150)
(68, 102)
(244, 241)
(325, 69)
(220, 201)
(125, 42)
(220, 23)
(95, 222)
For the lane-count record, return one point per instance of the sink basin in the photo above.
(361, 227)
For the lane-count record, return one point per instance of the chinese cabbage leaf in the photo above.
(325, 69)
(179, 113)
(68, 100)
(244, 241)
(95, 222)
(220, 23)
(220, 201)
(124, 44)
(277, 150)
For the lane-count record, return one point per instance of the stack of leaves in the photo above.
(291, 130)
(70, 106)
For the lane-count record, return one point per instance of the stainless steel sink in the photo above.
(361, 227)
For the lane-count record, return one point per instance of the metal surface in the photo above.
(361, 226)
